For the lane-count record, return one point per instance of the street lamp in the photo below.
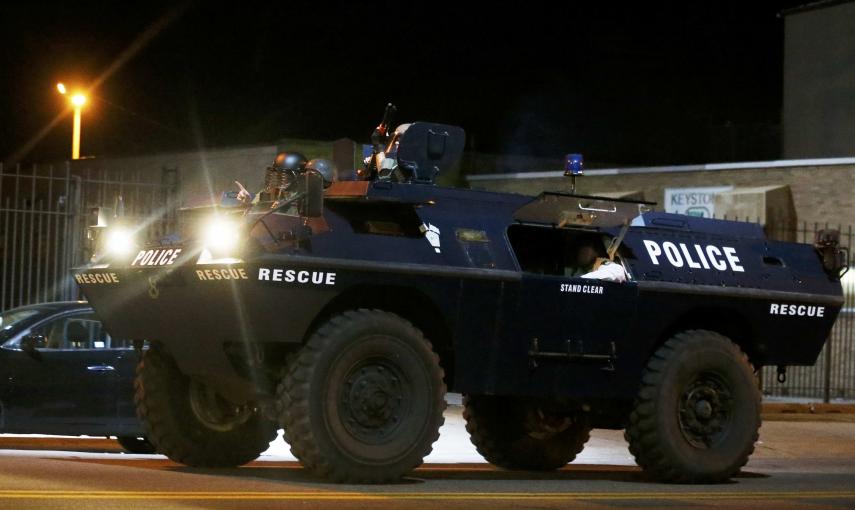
(77, 101)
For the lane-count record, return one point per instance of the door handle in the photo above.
(584, 208)
(100, 368)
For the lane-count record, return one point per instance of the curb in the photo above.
(808, 412)
(771, 411)
(809, 407)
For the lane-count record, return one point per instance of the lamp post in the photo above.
(77, 101)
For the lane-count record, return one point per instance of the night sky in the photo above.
(648, 84)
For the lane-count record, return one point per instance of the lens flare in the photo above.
(221, 234)
(119, 241)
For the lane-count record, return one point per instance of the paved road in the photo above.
(797, 465)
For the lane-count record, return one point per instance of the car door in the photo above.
(67, 386)
(126, 359)
(578, 318)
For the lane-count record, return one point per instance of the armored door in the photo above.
(580, 319)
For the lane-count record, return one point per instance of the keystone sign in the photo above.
(693, 201)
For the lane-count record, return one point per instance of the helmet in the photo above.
(324, 167)
(293, 161)
(280, 176)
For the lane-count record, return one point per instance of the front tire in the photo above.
(515, 433)
(697, 414)
(190, 423)
(363, 401)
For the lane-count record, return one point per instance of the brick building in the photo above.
(822, 189)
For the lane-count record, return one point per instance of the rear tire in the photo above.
(190, 423)
(514, 433)
(363, 401)
(697, 414)
(134, 444)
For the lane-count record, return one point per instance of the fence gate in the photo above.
(43, 219)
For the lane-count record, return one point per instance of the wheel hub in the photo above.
(705, 411)
(372, 400)
(214, 411)
(542, 424)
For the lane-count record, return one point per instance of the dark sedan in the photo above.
(62, 374)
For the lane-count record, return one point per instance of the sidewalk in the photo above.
(772, 410)
(813, 411)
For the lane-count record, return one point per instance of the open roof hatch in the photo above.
(566, 210)
(427, 149)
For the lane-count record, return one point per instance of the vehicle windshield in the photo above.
(10, 319)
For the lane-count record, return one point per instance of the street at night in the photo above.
(797, 464)
(427, 255)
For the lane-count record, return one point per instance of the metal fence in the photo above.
(832, 378)
(44, 212)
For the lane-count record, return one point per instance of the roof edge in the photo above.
(707, 167)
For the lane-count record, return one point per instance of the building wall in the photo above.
(819, 82)
(821, 193)
(204, 175)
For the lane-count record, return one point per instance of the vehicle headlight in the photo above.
(221, 234)
(119, 241)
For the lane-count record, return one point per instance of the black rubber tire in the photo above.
(363, 401)
(697, 415)
(501, 430)
(164, 406)
(134, 444)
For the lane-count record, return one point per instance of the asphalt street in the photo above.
(797, 464)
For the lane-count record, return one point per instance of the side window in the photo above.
(386, 219)
(553, 251)
(124, 343)
(476, 247)
(74, 332)
(538, 250)
(562, 252)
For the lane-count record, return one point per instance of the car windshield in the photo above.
(10, 319)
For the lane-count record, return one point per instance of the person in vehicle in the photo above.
(589, 264)
(388, 159)
(326, 168)
(278, 179)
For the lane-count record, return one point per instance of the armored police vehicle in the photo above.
(343, 310)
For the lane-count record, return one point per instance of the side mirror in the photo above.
(312, 186)
(31, 343)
